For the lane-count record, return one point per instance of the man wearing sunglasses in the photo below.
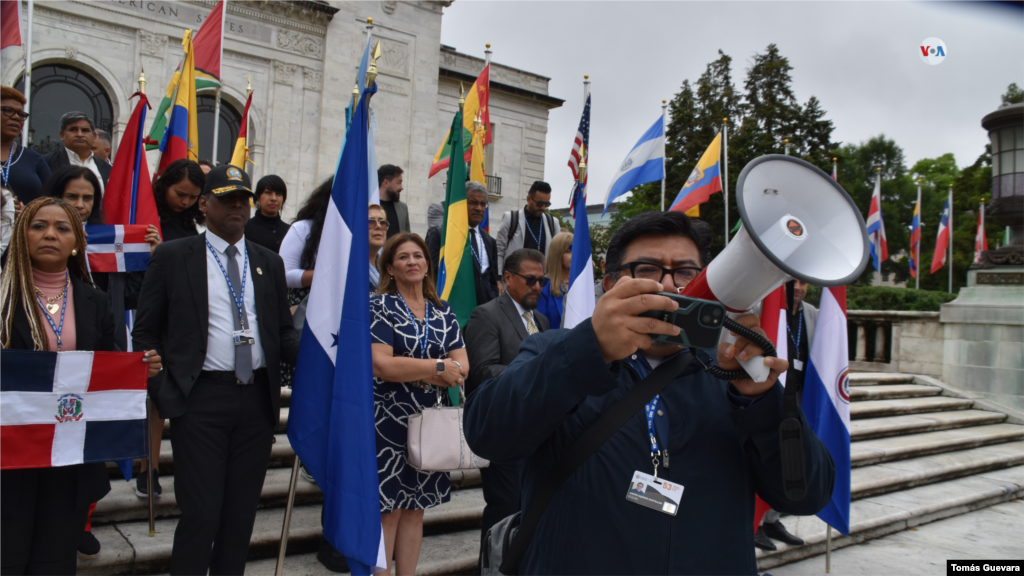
(532, 227)
(717, 440)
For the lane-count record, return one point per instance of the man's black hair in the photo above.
(75, 116)
(514, 261)
(656, 224)
(272, 182)
(539, 186)
(387, 172)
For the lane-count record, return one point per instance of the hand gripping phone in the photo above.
(700, 322)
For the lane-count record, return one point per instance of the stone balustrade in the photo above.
(893, 341)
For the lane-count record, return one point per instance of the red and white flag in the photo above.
(64, 408)
(117, 248)
(980, 241)
(10, 23)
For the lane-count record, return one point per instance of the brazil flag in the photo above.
(455, 282)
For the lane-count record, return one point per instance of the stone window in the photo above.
(57, 89)
(1007, 162)
(230, 124)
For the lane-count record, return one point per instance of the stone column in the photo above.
(861, 342)
(879, 343)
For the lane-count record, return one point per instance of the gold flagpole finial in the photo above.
(371, 72)
(586, 77)
(834, 159)
(879, 169)
(725, 120)
(142, 81)
(355, 94)
(663, 102)
(488, 45)
(583, 163)
(369, 21)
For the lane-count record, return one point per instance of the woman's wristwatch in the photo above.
(440, 367)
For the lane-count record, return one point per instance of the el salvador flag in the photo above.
(579, 300)
(826, 400)
(331, 425)
(644, 163)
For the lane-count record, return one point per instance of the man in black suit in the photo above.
(483, 248)
(78, 134)
(493, 335)
(216, 307)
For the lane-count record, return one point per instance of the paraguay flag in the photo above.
(942, 241)
(331, 426)
(579, 300)
(876, 227)
(117, 248)
(826, 399)
(644, 163)
(703, 181)
(915, 240)
(64, 408)
(181, 139)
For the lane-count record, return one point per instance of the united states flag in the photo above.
(582, 141)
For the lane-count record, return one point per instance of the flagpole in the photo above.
(917, 257)
(950, 238)
(725, 169)
(878, 236)
(216, 106)
(828, 549)
(248, 94)
(664, 169)
(786, 142)
(28, 73)
(287, 517)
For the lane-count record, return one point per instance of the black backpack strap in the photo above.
(589, 442)
(513, 226)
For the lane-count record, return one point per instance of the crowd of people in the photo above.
(220, 311)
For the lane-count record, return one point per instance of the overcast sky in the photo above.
(861, 59)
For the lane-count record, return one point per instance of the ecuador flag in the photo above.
(455, 281)
(241, 154)
(476, 101)
(703, 181)
(181, 140)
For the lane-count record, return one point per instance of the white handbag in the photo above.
(436, 441)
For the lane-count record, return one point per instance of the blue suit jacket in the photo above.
(721, 453)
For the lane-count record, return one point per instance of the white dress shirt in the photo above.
(89, 163)
(291, 252)
(481, 249)
(220, 347)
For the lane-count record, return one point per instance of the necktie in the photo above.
(531, 328)
(243, 353)
(476, 246)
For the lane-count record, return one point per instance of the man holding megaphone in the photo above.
(711, 444)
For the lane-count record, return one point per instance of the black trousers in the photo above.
(41, 520)
(502, 493)
(221, 453)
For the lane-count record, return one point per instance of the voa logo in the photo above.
(932, 51)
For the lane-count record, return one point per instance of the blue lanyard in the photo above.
(650, 409)
(473, 247)
(799, 333)
(536, 238)
(424, 338)
(57, 329)
(239, 302)
(6, 172)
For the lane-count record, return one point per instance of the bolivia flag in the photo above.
(209, 48)
(241, 154)
(703, 181)
(64, 408)
(476, 101)
(181, 140)
(455, 281)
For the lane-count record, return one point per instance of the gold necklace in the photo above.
(51, 303)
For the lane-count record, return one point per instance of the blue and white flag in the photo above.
(331, 424)
(644, 163)
(579, 300)
(826, 399)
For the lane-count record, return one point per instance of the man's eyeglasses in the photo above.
(647, 271)
(12, 113)
(541, 204)
(531, 280)
(379, 222)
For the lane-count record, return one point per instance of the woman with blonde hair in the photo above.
(418, 353)
(552, 299)
(48, 303)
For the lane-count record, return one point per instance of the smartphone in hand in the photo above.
(700, 322)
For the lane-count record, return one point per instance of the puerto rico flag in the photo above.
(876, 228)
(826, 399)
(117, 248)
(64, 408)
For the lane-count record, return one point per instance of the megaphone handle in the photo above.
(754, 366)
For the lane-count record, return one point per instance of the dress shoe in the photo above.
(776, 531)
(762, 541)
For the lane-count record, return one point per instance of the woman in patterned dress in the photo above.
(417, 354)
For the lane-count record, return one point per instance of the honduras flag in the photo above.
(579, 300)
(331, 425)
(644, 163)
(826, 399)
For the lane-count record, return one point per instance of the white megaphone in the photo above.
(797, 223)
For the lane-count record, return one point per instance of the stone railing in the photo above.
(883, 341)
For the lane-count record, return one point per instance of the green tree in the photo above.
(1014, 95)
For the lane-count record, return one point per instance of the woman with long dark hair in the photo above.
(177, 191)
(78, 186)
(48, 303)
(298, 249)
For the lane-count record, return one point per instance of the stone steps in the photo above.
(888, 391)
(895, 407)
(868, 452)
(875, 378)
(917, 423)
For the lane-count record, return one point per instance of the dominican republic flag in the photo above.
(64, 408)
(331, 426)
(579, 300)
(826, 399)
(117, 248)
(876, 227)
(580, 148)
(980, 241)
(942, 241)
(644, 163)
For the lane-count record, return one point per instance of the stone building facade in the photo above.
(302, 57)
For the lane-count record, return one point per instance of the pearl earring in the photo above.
(74, 252)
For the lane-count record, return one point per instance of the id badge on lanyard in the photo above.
(646, 489)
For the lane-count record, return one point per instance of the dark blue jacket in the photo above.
(721, 453)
